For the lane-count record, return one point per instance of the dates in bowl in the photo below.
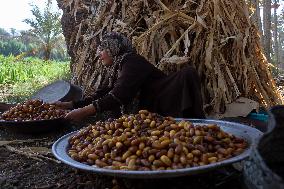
(33, 116)
(149, 142)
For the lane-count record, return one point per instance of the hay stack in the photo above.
(215, 35)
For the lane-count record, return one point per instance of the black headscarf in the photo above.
(118, 46)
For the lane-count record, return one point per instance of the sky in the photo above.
(13, 12)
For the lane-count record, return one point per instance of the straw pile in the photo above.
(216, 36)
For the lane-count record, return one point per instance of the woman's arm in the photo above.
(100, 92)
(81, 113)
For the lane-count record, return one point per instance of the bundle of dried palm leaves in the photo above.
(216, 36)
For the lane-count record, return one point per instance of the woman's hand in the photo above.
(81, 113)
(63, 105)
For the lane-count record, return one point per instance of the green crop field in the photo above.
(19, 79)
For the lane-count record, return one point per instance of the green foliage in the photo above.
(4, 34)
(20, 79)
(26, 44)
(46, 28)
(12, 47)
(44, 40)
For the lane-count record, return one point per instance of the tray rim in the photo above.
(32, 121)
(162, 173)
(34, 127)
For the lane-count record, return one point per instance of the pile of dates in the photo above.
(33, 110)
(147, 141)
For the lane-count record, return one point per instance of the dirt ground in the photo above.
(18, 171)
(22, 172)
(26, 161)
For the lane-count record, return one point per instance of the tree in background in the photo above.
(4, 35)
(12, 46)
(267, 28)
(275, 6)
(256, 18)
(281, 38)
(13, 32)
(46, 28)
(25, 44)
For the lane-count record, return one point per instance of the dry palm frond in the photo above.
(216, 35)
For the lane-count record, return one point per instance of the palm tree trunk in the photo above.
(259, 20)
(275, 33)
(281, 52)
(256, 17)
(47, 52)
(267, 28)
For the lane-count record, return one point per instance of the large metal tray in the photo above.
(250, 134)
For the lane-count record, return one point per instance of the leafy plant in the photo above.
(20, 79)
(46, 28)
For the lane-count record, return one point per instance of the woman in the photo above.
(176, 95)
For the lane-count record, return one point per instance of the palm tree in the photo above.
(13, 32)
(4, 35)
(46, 28)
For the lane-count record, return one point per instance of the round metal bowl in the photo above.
(59, 91)
(60, 147)
(34, 127)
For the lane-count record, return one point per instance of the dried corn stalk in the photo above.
(216, 35)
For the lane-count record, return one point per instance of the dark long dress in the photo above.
(176, 95)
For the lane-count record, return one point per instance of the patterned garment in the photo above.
(118, 46)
